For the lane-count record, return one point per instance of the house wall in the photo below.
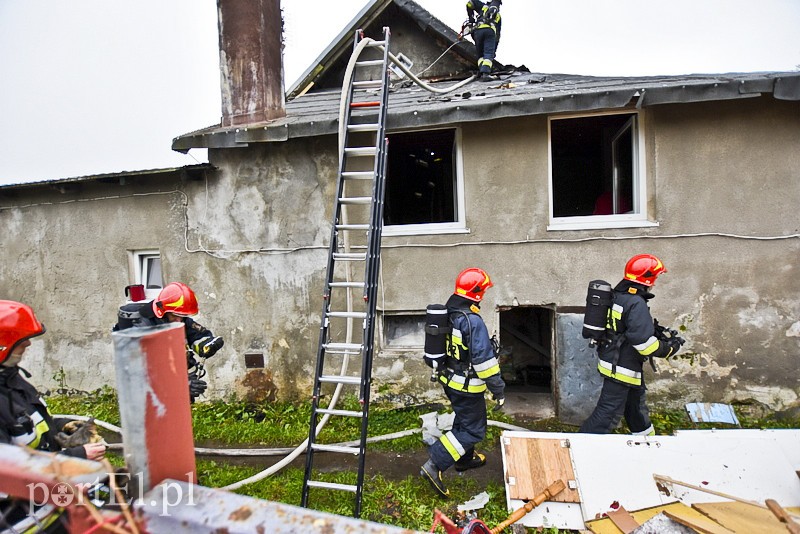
(251, 240)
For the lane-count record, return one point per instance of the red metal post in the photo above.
(154, 404)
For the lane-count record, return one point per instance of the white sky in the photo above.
(100, 86)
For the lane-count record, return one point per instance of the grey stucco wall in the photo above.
(251, 240)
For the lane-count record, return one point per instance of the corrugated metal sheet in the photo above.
(515, 94)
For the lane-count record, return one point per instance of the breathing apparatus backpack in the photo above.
(599, 299)
(437, 326)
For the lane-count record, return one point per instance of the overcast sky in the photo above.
(102, 86)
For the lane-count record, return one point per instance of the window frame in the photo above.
(459, 226)
(621, 220)
(384, 338)
(140, 267)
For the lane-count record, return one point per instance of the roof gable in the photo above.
(417, 34)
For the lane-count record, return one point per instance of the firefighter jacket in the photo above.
(634, 341)
(470, 363)
(477, 14)
(24, 419)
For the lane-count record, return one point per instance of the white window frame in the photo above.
(621, 220)
(459, 226)
(139, 262)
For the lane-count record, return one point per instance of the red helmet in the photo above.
(17, 323)
(644, 269)
(175, 298)
(472, 283)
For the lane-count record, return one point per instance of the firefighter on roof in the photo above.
(632, 339)
(468, 369)
(484, 19)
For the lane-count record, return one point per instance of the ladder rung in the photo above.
(345, 413)
(356, 285)
(371, 127)
(332, 485)
(343, 346)
(369, 63)
(358, 175)
(352, 226)
(368, 83)
(349, 256)
(335, 448)
(355, 200)
(371, 104)
(348, 315)
(333, 379)
(375, 43)
(361, 151)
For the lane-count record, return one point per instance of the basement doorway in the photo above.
(527, 349)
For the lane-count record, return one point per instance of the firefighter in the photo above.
(24, 418)
(469, 368)
(633, 340)
(176, 303)
(484, 19)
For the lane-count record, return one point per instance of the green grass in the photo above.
(407, 503)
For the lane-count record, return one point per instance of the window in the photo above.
(424, 183)
(597, 177)
(403, 331)
(147, 268)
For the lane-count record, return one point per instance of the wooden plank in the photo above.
(606, 525)
(696, 521)
(623, 520)
(741, 518)
(533, 464)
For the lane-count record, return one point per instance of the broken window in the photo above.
(423, 183)
(597, 177)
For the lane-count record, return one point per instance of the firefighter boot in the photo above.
(431, 473)
(477, 460)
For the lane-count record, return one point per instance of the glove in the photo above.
(208, 346)
(196, 386)
(491, 13)
(673, 345)
(500, 402)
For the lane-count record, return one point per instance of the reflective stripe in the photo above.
(434, 356)
(452, 445)
(649, 431)
(34, 437)
(476, 385)
(648, 347)
(623, 375)
(488, 368)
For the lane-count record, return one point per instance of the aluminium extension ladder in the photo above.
(355, 241)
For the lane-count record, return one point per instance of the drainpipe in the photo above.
(251, 61)
(153, 389)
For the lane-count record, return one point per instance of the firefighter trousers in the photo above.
(469, 428)
(615, 401)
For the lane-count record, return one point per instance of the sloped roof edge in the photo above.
(372, 10)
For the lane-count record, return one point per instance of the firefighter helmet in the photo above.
(17, 323)
(644, 269)
(472, 283)
(175, 298)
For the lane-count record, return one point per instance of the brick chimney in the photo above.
(251, 61)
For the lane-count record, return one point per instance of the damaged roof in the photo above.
(513, 95)
(312, 106)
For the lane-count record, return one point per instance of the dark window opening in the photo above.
(421, 178)
(526, 340)
(593, 165)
